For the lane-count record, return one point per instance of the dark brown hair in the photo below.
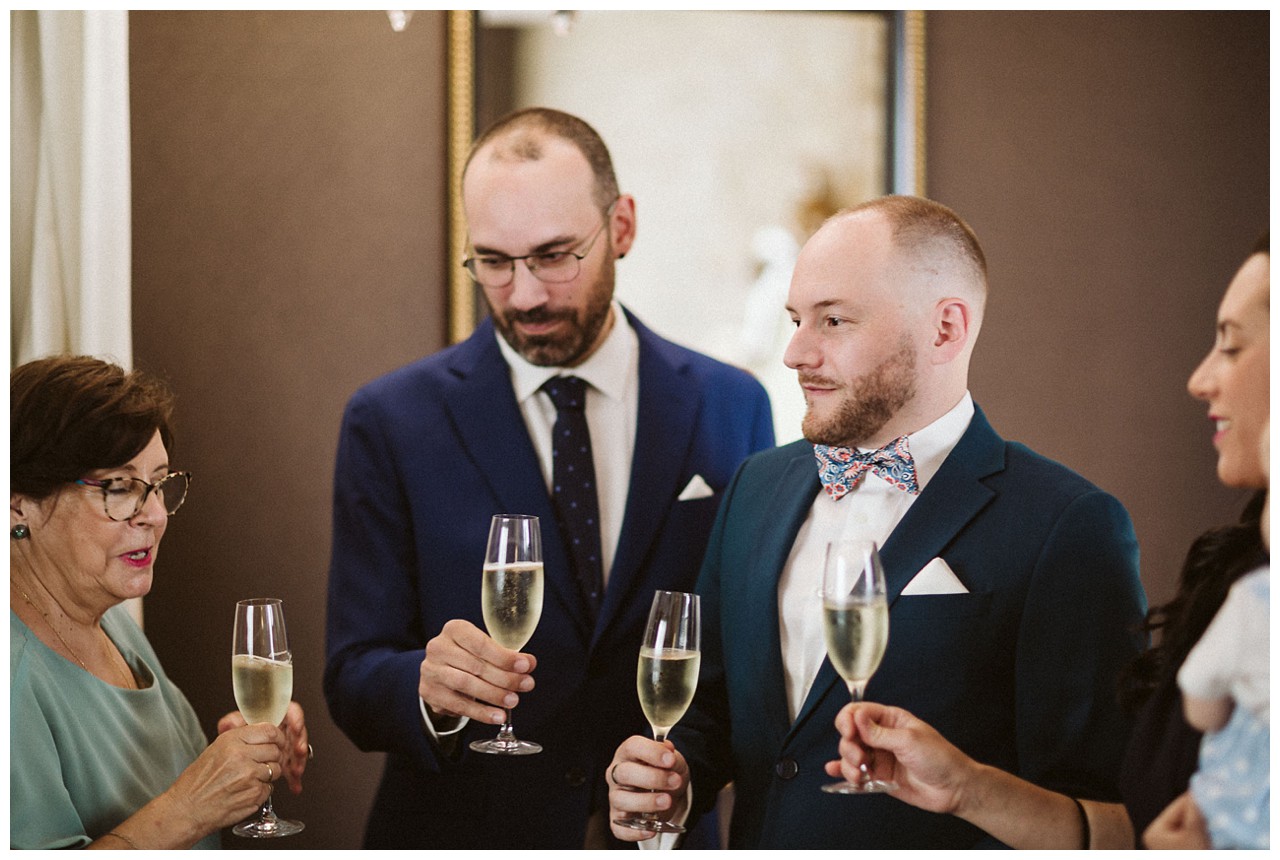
(521, 134)
(1215, 561)
(70, 415)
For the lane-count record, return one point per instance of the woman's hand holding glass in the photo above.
(227, 782)
(891, 745)
(297, 747)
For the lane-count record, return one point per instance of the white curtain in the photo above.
(69, 269)
(69, 212)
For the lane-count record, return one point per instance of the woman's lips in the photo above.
(137, 558)
(1220, 427)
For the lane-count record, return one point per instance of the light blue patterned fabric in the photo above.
(841, 469)
(1233, 785)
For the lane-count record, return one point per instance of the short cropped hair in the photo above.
(518, 136)
(917, 223)
(71, 415)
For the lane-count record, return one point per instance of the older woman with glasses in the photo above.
(105, 752)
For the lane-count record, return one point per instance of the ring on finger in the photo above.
(271, 774)
(311, 752)
(613, 775)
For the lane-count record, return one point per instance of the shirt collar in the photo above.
(606, 369)
(931, 445)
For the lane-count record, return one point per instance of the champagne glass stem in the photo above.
(855, 692)
(267, 815)
(507, 734)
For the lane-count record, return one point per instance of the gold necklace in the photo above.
(130, 683)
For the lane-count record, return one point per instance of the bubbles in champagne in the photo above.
(666, 680)
(511, 601)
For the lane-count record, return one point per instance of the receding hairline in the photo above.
(524, 134)
(924, 227)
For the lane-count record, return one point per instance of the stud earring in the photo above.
(20, 532)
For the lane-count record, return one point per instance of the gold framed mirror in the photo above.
(737, 132)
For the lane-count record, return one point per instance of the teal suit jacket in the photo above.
(1020, 672)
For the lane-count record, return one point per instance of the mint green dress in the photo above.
(84, 755)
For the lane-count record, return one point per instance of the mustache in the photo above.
(537, 315)
(820, 381)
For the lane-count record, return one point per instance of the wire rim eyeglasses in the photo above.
(553, 267)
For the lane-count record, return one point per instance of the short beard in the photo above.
(571, 347)
(869, 403)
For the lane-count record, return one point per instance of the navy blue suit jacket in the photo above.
(1019, 673)
(427, 455)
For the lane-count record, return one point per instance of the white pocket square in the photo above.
(697, 489)
(936, 577)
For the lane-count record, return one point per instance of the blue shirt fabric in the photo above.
(1233, 784)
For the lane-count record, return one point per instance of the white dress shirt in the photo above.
(871, 510)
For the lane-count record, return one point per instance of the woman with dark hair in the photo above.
(105, 752)
(1234, 379)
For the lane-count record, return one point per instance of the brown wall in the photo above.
(289, 244)
(1116, 167)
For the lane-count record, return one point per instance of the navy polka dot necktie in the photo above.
(573, 481)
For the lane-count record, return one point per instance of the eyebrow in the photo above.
(540, 249)
(823, 305)
(131, 472)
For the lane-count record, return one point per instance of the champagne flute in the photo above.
(262, 677)
(666, 677)
(511, 601)
(855, 622)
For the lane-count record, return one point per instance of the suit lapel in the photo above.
(491, 430)
(666, 412)
(951, 500)
(795, 493)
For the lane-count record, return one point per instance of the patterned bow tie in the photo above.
(840, 469)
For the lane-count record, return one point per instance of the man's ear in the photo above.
(952, 323)
(622, 225)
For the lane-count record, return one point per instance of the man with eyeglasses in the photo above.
(429, 453)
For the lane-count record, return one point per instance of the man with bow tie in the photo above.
(1012, 581)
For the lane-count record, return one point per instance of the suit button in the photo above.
(786, 768)
(575, 777)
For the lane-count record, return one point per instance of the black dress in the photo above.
(1161, 756)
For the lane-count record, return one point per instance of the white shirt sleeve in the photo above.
(431, 729)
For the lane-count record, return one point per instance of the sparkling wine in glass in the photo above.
(666, 677)
(262, 678)
(855, 622)
(511, 602)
